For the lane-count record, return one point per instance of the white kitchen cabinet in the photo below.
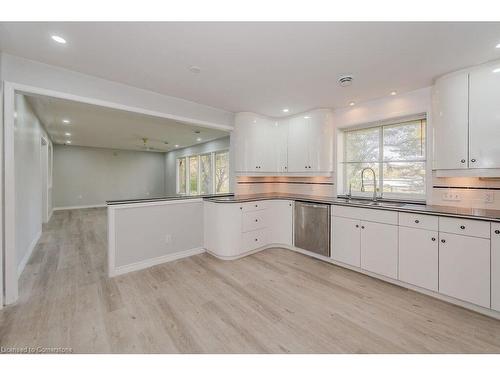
(450, 121)
(345, 239)
(280, 219)
(260, 144)
(484, 116)
(464, 268)
(418, 257)
(310, 142)
(495, 266)
(379, 248)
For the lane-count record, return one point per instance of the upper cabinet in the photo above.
(301, 144)
(484, 117)
(466, 119)
(450, 118)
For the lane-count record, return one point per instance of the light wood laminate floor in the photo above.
(275, 301)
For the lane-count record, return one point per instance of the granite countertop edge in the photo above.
(448, 211)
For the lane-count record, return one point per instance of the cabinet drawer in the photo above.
(253, 220)
(255, 239)
(418, 221)
(254, 206)
(466, 227)
(366, 214)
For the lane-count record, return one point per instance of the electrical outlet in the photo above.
(168, 239)
(489, 197)
(452, 196)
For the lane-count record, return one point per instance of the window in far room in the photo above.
(203, 173)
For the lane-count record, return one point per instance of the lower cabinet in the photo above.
(280, 221)
(464, 268)
(418, 257)
(495, 266)
(379, 248)
(346, 240)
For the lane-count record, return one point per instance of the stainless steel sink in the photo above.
(372, 203)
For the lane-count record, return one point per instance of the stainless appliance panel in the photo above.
(312, 227)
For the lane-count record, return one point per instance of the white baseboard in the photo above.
(27, 256)
(155, 261)
(78, 207)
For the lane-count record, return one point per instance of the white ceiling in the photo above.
(95, 126)
(260, 67)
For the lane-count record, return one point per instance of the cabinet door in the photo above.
(450, 121)
(418, 257)
(246, 141)
(464, 268)
(484, 117)
(320, 142)
(298, 149)
(274, 142)
(280, 221)
(379, 248)
(346, 240)
(495, 266)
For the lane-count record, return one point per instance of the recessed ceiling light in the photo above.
(67, 134)
(58, 39)
(176, 146)
(286, 110)
(66, 121)
(393, 93)
(198, 139)
(351, 103)
(194, 69)
(307, 117)
(68, 142)
(15, 114)
(498, 45)
(497, 70)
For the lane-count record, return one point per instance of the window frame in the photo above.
(380, 125)
(187, 175)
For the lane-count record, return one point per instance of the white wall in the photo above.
(87, 176)
(170, 157)
(32, 73)
(28, 180)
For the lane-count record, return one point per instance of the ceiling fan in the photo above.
(145, 146)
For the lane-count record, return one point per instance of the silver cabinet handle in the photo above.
(433, 238)
(497, 231)
(357, 226)
(473, 160)
(417, 221)
(462, 161)
(256, 220)
(443, 240)
(362, 227)
(462, 226)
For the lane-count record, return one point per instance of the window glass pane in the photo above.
(404, 141)
(406, 178)
(362, 145)
(353, 176)
(222, 172)
(181, 176)
(193, 175)
(205, 174)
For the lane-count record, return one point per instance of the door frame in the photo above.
(10, 89)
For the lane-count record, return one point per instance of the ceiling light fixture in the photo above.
(176, 146)
(198, 139)
(286, 110)
(68, 142)
(58, 39)
(307, 117)
(497, 70)
(393, 93)
(66, 121)
(498, 45)
(352, 104)
(67, 134)
(194, 69)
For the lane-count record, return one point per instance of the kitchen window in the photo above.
(206, 173)
(395, 151)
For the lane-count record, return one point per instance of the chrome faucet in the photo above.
(374, 182)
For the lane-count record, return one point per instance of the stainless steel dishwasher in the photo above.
(312, 227)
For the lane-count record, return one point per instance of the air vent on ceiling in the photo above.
(345, 80)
